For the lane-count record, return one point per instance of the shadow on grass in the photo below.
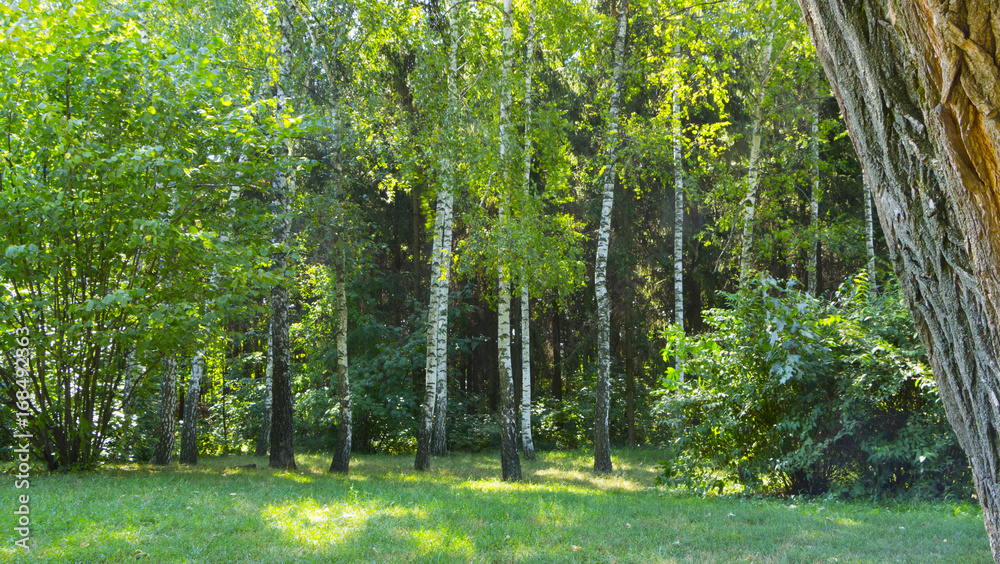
(384, 511)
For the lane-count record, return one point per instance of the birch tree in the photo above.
(166, 420)
(436, 367)
(526, 441)
(678, 158)
(763, 77)
(924, 123)
(602, 436)
(869, 240)
(509, 461)
(814, 198)
(189, 432)
(264, 436)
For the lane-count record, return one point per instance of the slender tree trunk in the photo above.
(869, 240)
(750, 204)
(264, 437)
(917, 84)
(557, 381)
(526, 440)
(166, 422)
(629, 335)
(433, 416)
(282, 452)
(189, 433)
(509, 461)
(678, 214)
(814, 226)
(342, 456)
(602, 435)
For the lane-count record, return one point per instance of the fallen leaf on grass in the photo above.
(574, 548)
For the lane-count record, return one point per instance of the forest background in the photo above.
(240, 201)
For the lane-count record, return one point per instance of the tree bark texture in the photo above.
(264, 437)
(870, 240)
(602, 435)
(526, 440)
(814, 197)
(509, 461)
(678, 158)
(189, 433)
(433, 416)
(919, 86)
(166, 422)
(282, 453)
(342, 455)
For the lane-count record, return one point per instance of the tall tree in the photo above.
(678, 159)
(282, 452)
(924, 123)
(764, 71)
(509, 461)
(342, 456)
(526, 440)
(813, 267)
(264, 436)
(602, 435)
(869, 240)
(189, 432)
(167, 418)
(436, 366)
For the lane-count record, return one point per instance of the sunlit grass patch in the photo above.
(460, 511)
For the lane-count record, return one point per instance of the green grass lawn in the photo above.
(460, 512)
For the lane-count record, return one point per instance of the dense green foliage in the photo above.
(801, 395)
(138, 143)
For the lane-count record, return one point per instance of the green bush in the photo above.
(789, 393)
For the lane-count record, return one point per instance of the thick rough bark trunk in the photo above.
(189, 433)
(509, 461)
(264, 437)
(526, 440)
(282, 453)
(342, 456)
(602, 435)
(919, 87)
(166, 422)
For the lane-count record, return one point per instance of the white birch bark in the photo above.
(342, 456)
(814, 226)
(436, 366)
(189, 432)
(166, 421)
(602, 437)
(750, 203)
(510, 463)
(869, 239)
(526, 440)
(678, 209)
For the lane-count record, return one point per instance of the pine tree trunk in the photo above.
(814, 227)
(264, 437)
(753, 174)
(166, 422)
(342, 456)
(189, 433)
(509, 461)
(602, 434)
(917, 84)
(869, 240)
(282, 452)
(526, 439)
(678, 212)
